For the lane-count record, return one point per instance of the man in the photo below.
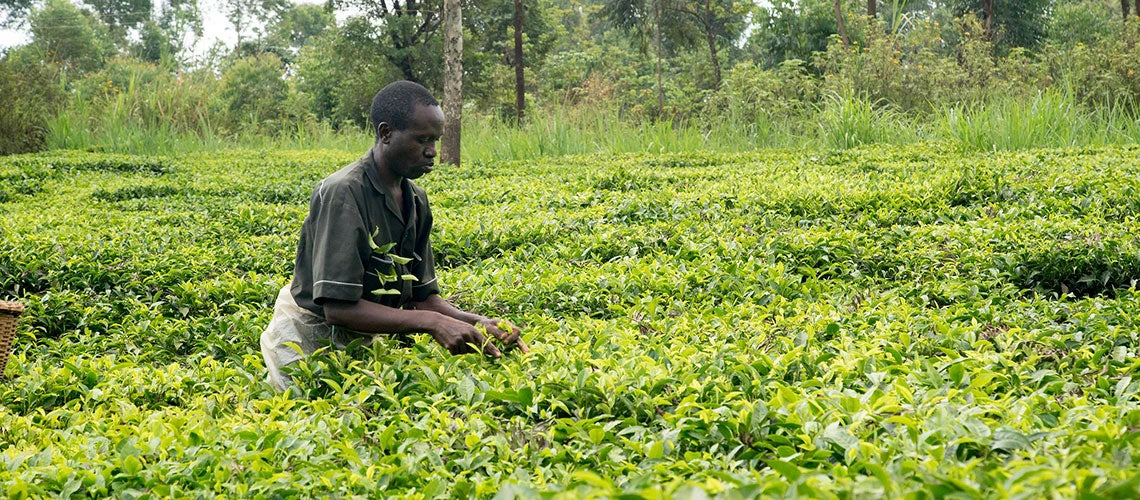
(364, 264)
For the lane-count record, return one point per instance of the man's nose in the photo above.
(429, 151)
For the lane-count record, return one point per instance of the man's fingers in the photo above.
(510, 338)
(488, 348)
(477, 340)
(506, 337)
(507, 333)
(516, 339)
(492, 351)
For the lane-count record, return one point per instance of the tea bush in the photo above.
(910, 321)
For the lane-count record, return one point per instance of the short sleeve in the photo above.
(424, 266)
(337, 264)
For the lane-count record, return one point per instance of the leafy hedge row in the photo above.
(865, 323)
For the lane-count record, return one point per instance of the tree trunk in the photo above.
(238, 26)
(988, 7)
(657, 26)
(452, 81)
(520, 92)
(871, 8)
(405, 66)
(710, 34)
(842, 26)
(1124, 8)
(1137, 9)
(715, 61)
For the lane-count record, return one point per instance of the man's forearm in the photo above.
(435, 303)
(370, 317)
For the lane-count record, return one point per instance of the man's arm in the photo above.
(455, 335)
(434, 303)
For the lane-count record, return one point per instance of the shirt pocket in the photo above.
(381, 275)
(405, 285)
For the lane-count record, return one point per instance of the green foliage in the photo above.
(252, 17)
(1083, 21)
(287, 31)
(69, 37)
(931, 75)
(1015, 23)
(139, 106)
(1047, 118)
(915, 71)
(299, 23)
(847, 121)
(790, 29)
(177, 20)
(885, 322)
(29, 89)
(154, 44)
(556, 132)
(340, 76)
(404, 34)
(756, 94)
(1106, 74)
(488, 48)
(255, 95)
(120, 16)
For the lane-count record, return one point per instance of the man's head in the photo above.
(395, 103)
(408, 124)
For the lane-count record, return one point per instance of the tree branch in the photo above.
(689, 12)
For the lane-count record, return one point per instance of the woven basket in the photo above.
(9, 311)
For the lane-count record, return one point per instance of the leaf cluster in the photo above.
(874, 322)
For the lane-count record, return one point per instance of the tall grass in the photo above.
(1048, 119)
(1007, 123)
(172, 121)
(562, 131)
(75, 129)
(847, 121)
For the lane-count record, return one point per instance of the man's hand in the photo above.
(507, 333)
(461, 338)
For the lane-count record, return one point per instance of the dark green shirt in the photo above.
(334, 259)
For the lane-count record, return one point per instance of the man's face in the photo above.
(411, 152)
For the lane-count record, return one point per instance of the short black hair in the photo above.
(395, 103)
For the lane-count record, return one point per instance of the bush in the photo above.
(29, 89)
(257, 96)
(755, 93)
(1105, 74)
(1081, 21)
(340, 78)
(907, 70)
(130, 99)
(928, 66)
(69, 36)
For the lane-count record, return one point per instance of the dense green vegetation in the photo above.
(886, 321)
(125, 77)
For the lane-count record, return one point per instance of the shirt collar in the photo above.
(373, 173)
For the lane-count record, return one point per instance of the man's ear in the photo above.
(383, 132)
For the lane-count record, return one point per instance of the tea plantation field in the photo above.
(882, 322)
